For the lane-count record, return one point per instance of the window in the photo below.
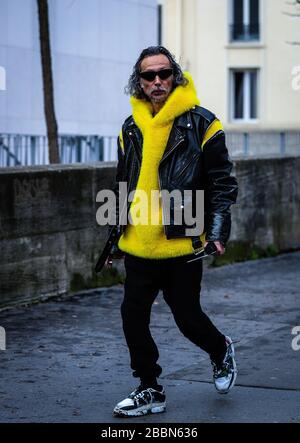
(244, 92)
(244, 21)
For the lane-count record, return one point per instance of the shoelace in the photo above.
(141, 394)
(225, 368)
(223, 371)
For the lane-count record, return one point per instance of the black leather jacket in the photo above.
(184, 165)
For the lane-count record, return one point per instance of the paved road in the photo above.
(67, 361)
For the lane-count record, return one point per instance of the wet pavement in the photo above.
(66, 360)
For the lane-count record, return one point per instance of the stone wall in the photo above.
(49, 238)
(268, 207)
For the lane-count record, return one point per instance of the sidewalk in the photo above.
(67, 361)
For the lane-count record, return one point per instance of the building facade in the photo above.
(245, 58)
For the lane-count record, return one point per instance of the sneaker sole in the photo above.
(154, 409)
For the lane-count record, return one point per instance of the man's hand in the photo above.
(219, 246)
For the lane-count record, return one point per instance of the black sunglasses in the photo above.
(163, 74)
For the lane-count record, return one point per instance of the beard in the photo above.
(158, 95)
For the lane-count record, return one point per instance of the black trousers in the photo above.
(180, 283)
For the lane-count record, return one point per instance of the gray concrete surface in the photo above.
(67, 361)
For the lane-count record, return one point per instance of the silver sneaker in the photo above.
(225, 375)
(141, 402)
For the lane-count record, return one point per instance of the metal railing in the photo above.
(17, 149)
(244, 33)
(24, 150)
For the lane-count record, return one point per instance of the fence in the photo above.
(16, 149)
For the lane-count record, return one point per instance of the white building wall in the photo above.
(94, 46)
(197, 32)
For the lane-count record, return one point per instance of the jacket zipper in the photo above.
(159, 181)
(187, 165)
(171, 150)
(132, 139)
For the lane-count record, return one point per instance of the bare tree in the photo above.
(47, 80)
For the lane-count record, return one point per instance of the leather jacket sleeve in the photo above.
(221, 189)
(115, 251)
(119, 177)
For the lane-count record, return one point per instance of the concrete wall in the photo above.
(49, 239)
(267, 214)
(49, 236)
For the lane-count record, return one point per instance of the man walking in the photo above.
(168, 143)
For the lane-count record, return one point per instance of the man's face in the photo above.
(157, 90)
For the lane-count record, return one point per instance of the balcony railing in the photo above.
(19, 149)
(244, 33)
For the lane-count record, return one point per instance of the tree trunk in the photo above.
(47, 81)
